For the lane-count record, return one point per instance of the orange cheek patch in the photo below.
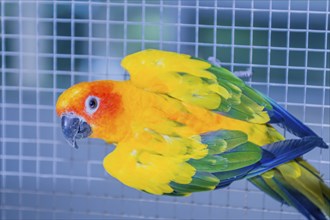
(110, 107)
(104, 120)
(114, 103)
(110, 102)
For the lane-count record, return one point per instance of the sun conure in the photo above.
(182, 125)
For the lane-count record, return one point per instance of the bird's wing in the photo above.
(196, 82)
(179, 165)
(200, 83)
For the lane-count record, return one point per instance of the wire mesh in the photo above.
(47, 46)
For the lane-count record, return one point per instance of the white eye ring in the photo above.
(92, 103)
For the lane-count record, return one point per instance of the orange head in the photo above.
(89, 109)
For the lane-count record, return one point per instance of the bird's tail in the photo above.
(298, 184)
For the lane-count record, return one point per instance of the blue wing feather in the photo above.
(278, 115)
(283, 151)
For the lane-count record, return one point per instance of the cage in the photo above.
(47, 46)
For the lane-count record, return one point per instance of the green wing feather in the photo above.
(229, 155)
(245, 103)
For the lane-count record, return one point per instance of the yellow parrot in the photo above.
(182, 125)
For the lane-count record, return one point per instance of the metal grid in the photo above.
(47, 46)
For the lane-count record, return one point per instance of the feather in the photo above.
(280, 189)
(223, 140)
(227, 177)
(284, 151)
(201, 181)
(278, 115)
(261, 183)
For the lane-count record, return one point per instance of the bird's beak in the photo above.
(74, 128)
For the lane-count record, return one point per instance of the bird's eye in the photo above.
(92, 104)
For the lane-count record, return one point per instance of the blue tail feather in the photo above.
(260, 182)
(304, 205)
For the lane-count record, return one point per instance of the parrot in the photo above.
(182, 125)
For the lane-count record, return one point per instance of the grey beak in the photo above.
(74, 128)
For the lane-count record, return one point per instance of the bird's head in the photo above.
(88, 109)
